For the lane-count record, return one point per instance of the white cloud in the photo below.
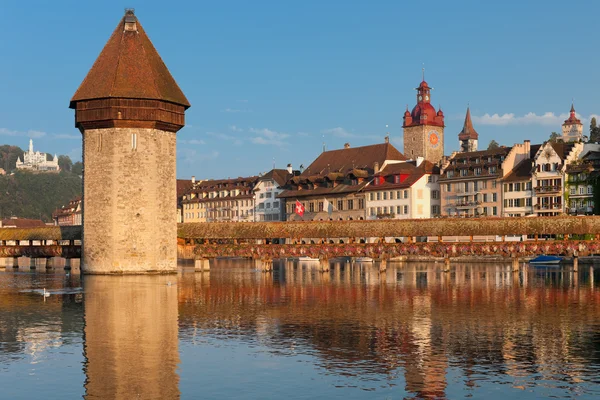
(192, 141)
(269, 137)
(343, 133)
(235, 128)
(338, 132)
(66, 136)
(191, 156)
(236, 110)
(547, 118)
(31, 133)
(234, 140)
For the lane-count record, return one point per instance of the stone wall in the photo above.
(416, 143)
(128, 199)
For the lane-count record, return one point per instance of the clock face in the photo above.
(420, 98)
(434, 139)
(426, 97)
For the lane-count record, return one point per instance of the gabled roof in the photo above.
(280, 176)
(347, 159)
(129, 67)
(502, 150)
(562, 149)
(522, 172)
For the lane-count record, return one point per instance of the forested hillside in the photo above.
(36, 195)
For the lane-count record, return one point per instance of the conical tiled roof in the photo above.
(129, 67)
(468, 132)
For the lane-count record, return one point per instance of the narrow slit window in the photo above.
(99, 141)
(134, 141)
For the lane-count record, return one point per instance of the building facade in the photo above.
(37, 161)
(424, 128)
(222, 200)
(333, 185)
(70, 214)
(268, 207)
(471, 182)
(548, 178)
(404, 191)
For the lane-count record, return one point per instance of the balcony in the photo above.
(548, 189)
(553, 207)
(467, 204)
(581, 210)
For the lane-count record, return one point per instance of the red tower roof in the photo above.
(468, 132)
(423, 112)
(572, 117)
(129, 67)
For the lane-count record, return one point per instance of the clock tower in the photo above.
(424, 128)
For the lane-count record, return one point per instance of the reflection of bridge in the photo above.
(325, 240)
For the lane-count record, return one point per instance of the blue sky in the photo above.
(268, 79)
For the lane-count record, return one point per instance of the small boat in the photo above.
(45, 293)
(545, 260)
(363, 259)
(306, 258)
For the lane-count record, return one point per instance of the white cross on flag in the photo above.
(299, 208)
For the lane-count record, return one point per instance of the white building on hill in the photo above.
(37, 161)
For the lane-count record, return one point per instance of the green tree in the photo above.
(594, 131)
(8, 157)
(20, 193)
(554, 138)
(77, 168)
(65, 163)
(493, 145)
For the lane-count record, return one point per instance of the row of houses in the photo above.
(378, 181)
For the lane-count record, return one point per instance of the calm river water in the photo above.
(296, 333)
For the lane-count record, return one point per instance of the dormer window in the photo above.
(396, 178)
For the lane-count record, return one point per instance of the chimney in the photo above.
(527, 144)
(375, 167)
(289, 169)
(387, 138)
(193, 179)
(346, 145)
(420, 161)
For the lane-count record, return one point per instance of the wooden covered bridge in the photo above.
(326, 240)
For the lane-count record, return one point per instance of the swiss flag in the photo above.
(299, 208)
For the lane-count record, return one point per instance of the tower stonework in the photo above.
(572, 128)
(128, 109)
(424, 128)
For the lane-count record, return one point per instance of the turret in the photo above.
(128, 109)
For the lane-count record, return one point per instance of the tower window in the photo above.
(134, 141)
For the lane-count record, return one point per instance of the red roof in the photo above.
(572, 117)
(423, 113)
(22, 223)
(468, 132)
(129, 67)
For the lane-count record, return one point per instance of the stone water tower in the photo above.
(128, 109)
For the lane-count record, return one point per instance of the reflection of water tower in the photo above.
(128, 109)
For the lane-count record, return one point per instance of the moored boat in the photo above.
(306, 258)
(363, 259)
(545, 260)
